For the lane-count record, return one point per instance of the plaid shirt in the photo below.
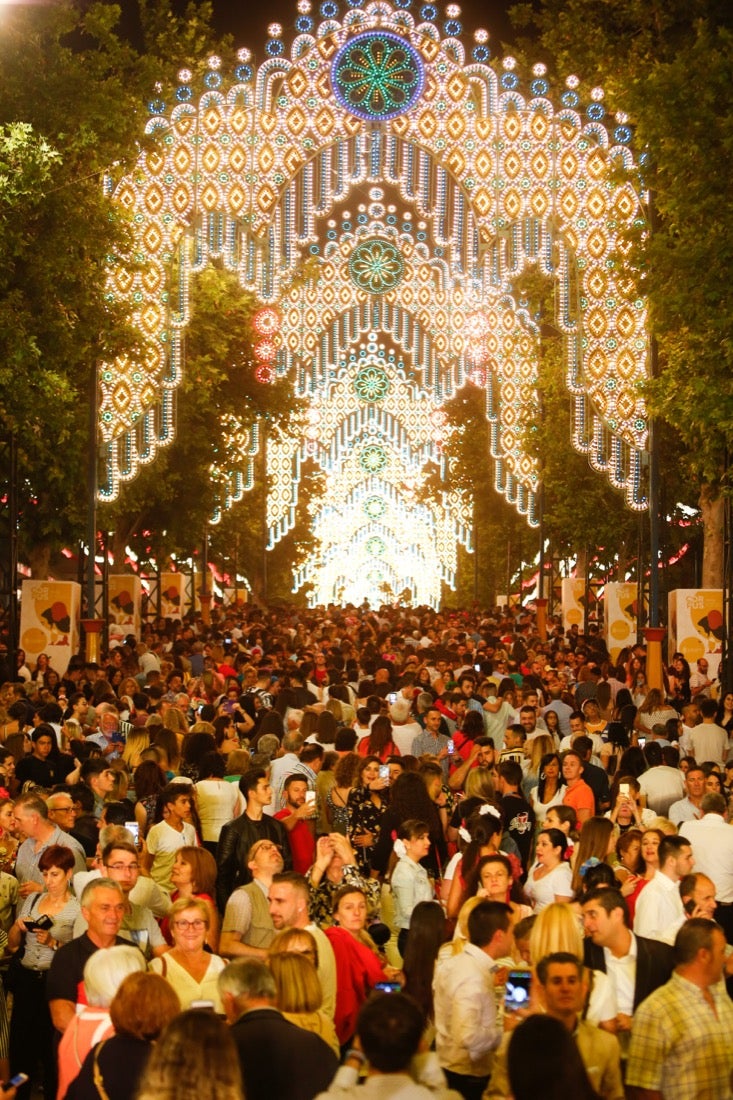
(678, 1046)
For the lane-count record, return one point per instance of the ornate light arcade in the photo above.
(380, 191)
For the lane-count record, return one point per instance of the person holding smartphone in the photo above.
(298, 817)
(45, 921)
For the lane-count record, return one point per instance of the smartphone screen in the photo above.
(134, 828)
(18, 1080)
(310, 798)
(384, 771)
(624, 790)
(516, 994)
(388, 987)
(392, 697)
(451, 747)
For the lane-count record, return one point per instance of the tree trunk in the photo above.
(118, 551)
(39, 559)
(581, 562)
(711, 507)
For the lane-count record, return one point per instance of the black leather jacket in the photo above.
(235, 840)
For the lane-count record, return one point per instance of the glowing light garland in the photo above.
(419, 184)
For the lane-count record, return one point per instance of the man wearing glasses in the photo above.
(139, 926)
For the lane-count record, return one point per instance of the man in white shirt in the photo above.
(689, 808)
(467, 1031)
(661, 785)
(690, 719)
(712, 843)
(659, 910)
(700, 682)
(635, 966)
(708, 740)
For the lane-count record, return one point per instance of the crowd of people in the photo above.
(348, 851)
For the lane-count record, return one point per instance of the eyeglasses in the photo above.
(63, 810)
(123, 866)
(197, 925)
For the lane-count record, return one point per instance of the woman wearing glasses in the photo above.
(188, 967)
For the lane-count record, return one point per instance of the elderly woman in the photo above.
(189, 968)
(45, 921)
(103, 974)
(142, 1007)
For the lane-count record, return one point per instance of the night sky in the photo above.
(248, 21)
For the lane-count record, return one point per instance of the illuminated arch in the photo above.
(505, 175)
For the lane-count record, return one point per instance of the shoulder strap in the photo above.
(97, 1072)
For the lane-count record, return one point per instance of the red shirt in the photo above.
(364, 749)
(302, 843)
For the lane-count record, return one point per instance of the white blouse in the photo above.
(543, 891)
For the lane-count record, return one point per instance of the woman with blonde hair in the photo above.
(535, 751)
(296, 941)
(300, 997)
(556, 928)
(194, 1059)
(190, 969)
(136, 742)
(479, 784)
(175, 720)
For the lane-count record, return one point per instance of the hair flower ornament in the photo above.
(487, 808)
(399, 849)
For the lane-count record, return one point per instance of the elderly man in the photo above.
(277, 1058)
(682, 1035)
(103, 908)
(31, 815)
(689, 808)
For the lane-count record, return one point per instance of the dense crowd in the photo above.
(388, 851)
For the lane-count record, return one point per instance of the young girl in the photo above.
(410, 882)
